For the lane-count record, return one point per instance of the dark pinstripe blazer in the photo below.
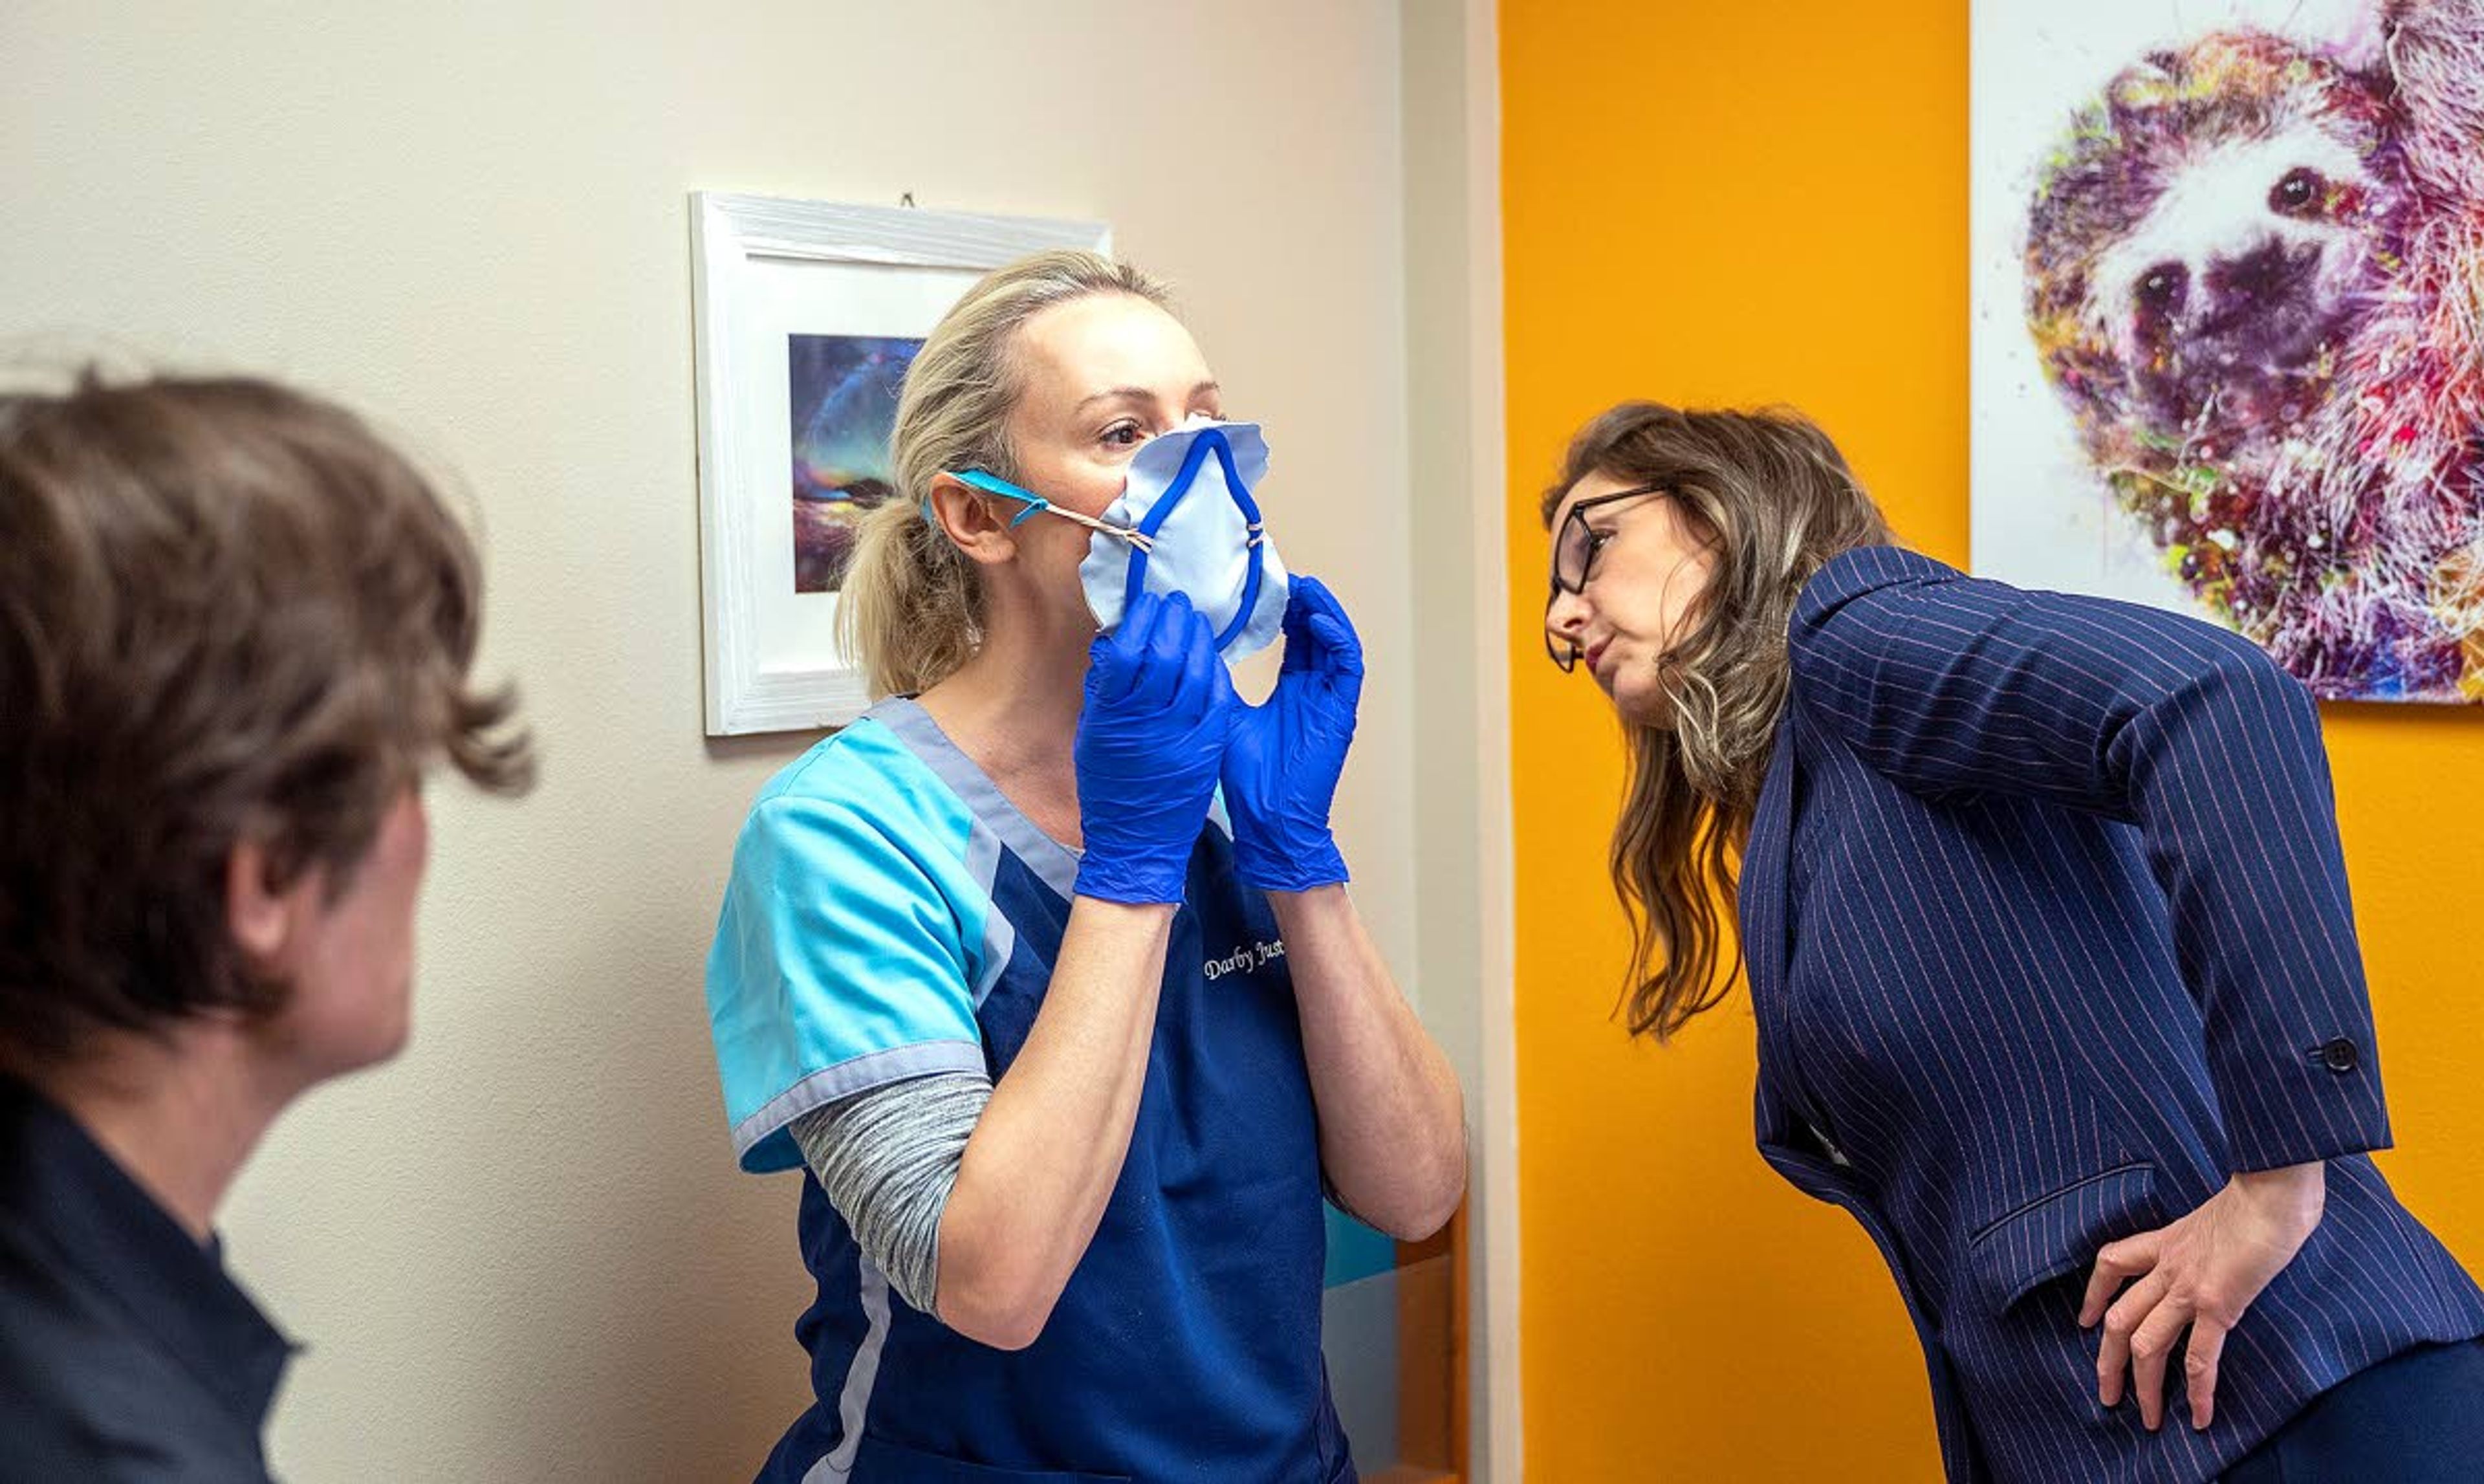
(2048, 932)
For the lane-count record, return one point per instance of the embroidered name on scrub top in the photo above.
(1242, 961)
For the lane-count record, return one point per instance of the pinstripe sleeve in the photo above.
(1949, 684)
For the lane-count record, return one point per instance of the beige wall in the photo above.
(521, 1252)
(1458, 669)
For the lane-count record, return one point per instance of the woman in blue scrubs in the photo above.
(1069, 1051)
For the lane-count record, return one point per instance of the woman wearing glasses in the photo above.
(2056, 979)
(1067, 1059)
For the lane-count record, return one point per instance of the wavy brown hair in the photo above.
(1776, 501)
(228, 612)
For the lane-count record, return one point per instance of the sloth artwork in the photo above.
(2255, 274)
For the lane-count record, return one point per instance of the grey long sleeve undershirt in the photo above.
(888, 1159)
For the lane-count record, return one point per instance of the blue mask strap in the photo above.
(1035, 505)
(1209, 439)
(994, 485)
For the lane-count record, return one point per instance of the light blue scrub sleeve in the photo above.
(842, 960)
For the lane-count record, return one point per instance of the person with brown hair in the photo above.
(235, 632)
(2049, 942)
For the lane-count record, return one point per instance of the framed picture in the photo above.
(806, 315)
(2228, 322)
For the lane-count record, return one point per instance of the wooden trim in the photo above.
(1461, 1322)
(1432, 1357)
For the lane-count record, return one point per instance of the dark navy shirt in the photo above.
(127, 1353)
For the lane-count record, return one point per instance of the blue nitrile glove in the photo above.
(1149, 741)
(1281, 767)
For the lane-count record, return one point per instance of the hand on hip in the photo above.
(2197, 1273)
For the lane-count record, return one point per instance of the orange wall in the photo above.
(1713, 203)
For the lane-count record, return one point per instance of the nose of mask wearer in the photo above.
(1190, 493)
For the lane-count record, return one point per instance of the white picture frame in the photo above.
(768, 269)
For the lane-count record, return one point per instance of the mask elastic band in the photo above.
(1035, 505)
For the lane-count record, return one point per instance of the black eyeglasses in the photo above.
(1573, 561)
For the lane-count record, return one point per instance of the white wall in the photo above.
(523, 1252)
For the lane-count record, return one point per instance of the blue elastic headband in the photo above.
(994, 485)
(1037, 504)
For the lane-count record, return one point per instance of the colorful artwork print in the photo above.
(2252, 264)
(843, 391)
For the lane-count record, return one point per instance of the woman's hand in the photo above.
(2198, 1273)
(1150, 740)
(1283, 764)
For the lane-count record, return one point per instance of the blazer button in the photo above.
(2339, 1056)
